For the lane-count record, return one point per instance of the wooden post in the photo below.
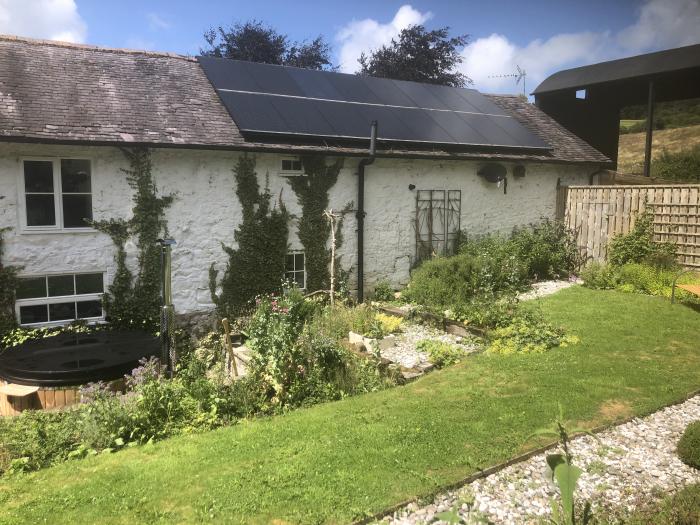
(229, 346)
(650, 130)
(330, 216)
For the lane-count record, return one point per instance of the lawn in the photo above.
(336, 462)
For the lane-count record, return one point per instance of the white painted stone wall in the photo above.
(206, 211)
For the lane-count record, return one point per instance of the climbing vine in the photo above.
(314, 231)
(135, 301)
(256, 265)
(8, 285)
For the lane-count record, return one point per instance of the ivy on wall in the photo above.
(135, 301)
(8, 286)
(314, 230)
(256, 265)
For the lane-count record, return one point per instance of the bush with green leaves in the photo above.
(548, 250)
(638, 246)
(639, 278)
(683, 166)
(689, 445)
(8, 285)
(479, 284)
(383, 291)
(528, 333)
(601, 276)
(441, 354)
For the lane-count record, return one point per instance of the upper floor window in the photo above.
(57, 194)
(291, 166)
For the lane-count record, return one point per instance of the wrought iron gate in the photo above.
(438, 215)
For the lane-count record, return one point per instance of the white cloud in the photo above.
(368, 34)
(49, 19)
(156, 22)
(661, 24)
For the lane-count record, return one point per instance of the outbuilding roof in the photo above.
(645, 66)
(69, 93)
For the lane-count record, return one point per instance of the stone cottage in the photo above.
(446, 160)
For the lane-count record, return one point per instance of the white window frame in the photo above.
(295, 252)
(77, 298)
(291, 173)
(57, 194)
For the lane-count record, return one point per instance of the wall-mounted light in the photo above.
(411, 187)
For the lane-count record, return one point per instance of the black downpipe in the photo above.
(361, 212)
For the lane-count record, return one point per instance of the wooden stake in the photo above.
(229, 346)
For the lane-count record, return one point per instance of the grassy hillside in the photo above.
(675, 153)
(667, 115)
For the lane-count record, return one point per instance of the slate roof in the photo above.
(70, 93)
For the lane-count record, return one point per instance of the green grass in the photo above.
(339, 461)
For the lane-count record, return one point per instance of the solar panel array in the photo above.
(269, 99)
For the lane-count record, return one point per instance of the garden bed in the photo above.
(337, 462)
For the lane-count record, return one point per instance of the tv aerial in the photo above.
(519, 75)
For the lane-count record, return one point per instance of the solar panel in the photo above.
(269, 99)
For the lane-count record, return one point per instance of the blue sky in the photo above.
(540, 36)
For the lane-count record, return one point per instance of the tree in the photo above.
(419, 55)
(256, 42)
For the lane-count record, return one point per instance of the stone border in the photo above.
(447, 325)
(517, 459)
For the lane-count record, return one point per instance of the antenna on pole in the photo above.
(519, 75)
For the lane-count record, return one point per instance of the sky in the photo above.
(540, 36)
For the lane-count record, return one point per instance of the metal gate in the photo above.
(438, 215)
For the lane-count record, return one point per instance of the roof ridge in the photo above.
(91, 47)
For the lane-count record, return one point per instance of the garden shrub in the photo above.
(547, 250)
(638, 246)
(689, 445)
(479, 285)
(441, 354)
(8, 285)
(36, 439)
(638, 278)
(451, 282)
(599, 275)
(528, 333)
(383, 291)
(389, 323)
(681, 166)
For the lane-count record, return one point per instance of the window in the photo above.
(581, 93)
(59, 298)
(57, 194)
(291, 166)
(295, 269)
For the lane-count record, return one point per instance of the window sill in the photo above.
(27, 231)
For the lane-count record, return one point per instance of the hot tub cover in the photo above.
(75, 359)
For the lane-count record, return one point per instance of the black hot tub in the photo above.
(76, 359)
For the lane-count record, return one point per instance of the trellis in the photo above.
(598, 213)
(438, 215)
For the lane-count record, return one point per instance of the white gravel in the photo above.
(633, 462)
(405, 353)
(544, 288)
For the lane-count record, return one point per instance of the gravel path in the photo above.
(405, 354)
(632, 462)
(544, 288)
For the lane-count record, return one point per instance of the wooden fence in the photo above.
(598, 213)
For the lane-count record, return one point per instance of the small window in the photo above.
(581, 93)
(292, 166)
(295, 269)
(60, 298)
(57, 194)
